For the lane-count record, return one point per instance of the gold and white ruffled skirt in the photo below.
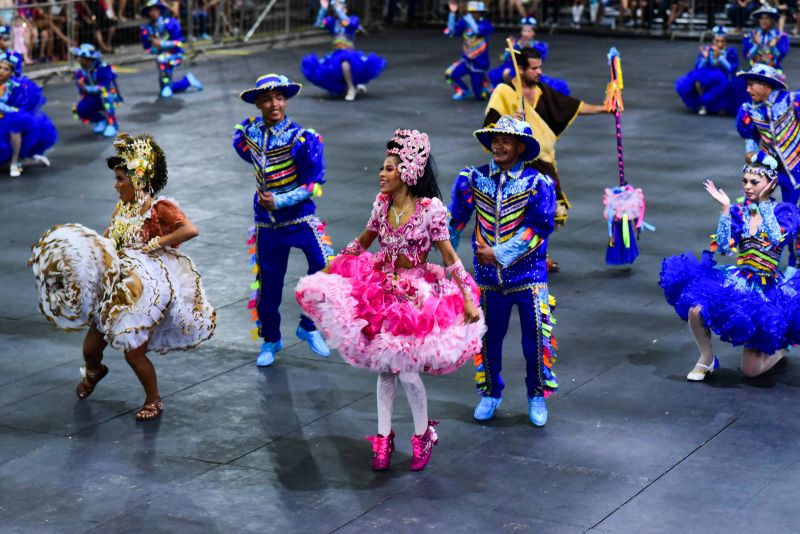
(131, 297)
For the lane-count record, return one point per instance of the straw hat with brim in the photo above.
(508, 125)
(766, 74)
(153, 3)
(766, 10)
(476, 7)
(271, 82)
(86, 50)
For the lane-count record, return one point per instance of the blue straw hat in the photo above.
(86, 50)
(764, 73)
(153, 3)
(508, 125)
(271, 82)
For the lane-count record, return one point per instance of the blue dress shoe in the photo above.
(462, 96)
(194, 82)
(315, 341)
(267, 355)
(537, 410)
(166, 92)
(99, 127)
(486, 407)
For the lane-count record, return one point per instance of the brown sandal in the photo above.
(150, 410)
(89, 381)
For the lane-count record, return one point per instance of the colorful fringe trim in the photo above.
(255, 287)
(549, 346)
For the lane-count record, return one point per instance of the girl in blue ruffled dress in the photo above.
(25, 131)
(748, 303)
(712, 87)
(344, 71)
(526, 39)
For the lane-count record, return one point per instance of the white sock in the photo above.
(387, 384)
(417, 400)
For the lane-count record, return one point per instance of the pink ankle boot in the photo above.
(422, 446)
(382, 448)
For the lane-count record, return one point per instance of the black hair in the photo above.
(525, 56)
(427, 185)
(159, 179)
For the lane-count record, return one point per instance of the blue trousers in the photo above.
(165, 71)
(497, 311)
(272, 251)
(92, 109)
(478, 78)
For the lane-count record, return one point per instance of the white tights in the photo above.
(415, 393)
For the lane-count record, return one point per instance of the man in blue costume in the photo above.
(98, 91)
(515, 207)
(474, 28)
(289, 167)
(766, 44)
(163, 38)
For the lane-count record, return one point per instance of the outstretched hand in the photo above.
(717, 194)
(453, 6)
(324, 4)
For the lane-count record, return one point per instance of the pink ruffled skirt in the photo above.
(403, 321)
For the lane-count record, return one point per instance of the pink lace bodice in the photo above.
(414, 239)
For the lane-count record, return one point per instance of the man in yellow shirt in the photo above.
(547, 111)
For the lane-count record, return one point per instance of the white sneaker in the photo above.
(41, 158)
(351, 94)
(702, 110)
(15, 170)
(361, 89)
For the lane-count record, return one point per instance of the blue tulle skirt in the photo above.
(496, 78)
(38, 133)
(326, 72)
(720, 94)
(740, 310)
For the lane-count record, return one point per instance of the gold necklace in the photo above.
(126, 225)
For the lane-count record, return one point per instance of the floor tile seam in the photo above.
(142, 503)
(665, 473)
(35, 431)
(311, 422)
(499, 509)
(412, 483)
(37, 373)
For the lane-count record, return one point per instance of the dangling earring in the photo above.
(140, 196)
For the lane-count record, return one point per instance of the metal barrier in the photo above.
(44, 31)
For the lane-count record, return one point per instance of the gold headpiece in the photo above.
(137, 157)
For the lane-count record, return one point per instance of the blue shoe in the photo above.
(110, 131)
(315, 341)
(99, 127)
(537, 410)
(193, 81)
(267, 355)
(166, 92)
(486, 407)
(461, 96)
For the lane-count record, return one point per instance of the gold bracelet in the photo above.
(154, 244)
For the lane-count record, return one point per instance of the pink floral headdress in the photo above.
(414, 151)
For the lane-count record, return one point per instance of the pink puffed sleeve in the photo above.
(378, 211)
(439, 218)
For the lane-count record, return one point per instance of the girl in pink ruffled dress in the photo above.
(393, 312)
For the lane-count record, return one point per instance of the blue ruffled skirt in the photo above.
(496, 78)
(740, 310)
(38, 133)
(326, 72)
(720, 93)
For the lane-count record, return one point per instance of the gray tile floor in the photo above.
(630, 446)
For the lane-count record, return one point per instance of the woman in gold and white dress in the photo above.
(130, 286)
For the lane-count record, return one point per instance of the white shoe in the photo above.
(702, 110)
(41, 158)
(361, 89)
(15, 170)
(701, 371)
(351, 94)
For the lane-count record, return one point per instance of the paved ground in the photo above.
(630, 446)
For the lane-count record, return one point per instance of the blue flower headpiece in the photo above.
(9, 58)
(758, 170)
(528, 21)
(719, 31)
